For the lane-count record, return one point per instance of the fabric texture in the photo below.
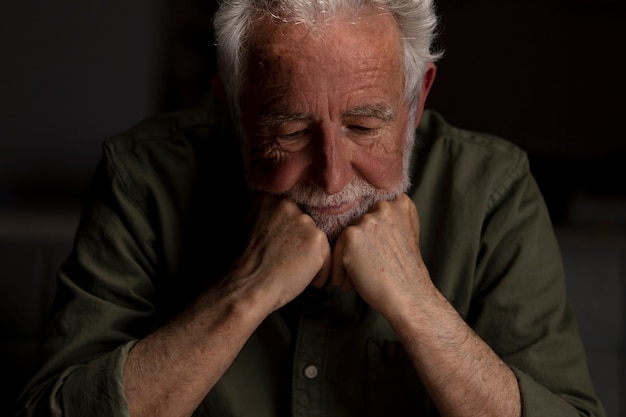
(165, 218)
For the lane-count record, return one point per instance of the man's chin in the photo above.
(332, 231)
(333, 213)
(334, 224)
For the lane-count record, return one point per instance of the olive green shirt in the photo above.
(167, 215)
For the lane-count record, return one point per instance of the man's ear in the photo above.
(427, 82)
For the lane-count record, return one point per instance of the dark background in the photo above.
(548, 75)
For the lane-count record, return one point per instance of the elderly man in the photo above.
(330, 248)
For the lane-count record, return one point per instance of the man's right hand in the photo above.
(286, 252)
(171, 370)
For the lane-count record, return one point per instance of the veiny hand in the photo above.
(379, 255)
(286, 252)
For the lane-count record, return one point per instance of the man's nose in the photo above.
(332, 165)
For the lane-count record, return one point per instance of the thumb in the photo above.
(339, 276)
(322, 275)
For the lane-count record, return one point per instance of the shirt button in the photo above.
(311, 372)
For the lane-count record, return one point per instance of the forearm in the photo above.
(462, 374)
(169, 372)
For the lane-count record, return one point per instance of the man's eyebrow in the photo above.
(378, 111)
(276, 119)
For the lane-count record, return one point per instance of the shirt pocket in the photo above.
(392, 385)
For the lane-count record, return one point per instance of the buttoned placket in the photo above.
(310, 354)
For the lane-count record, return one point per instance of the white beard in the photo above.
(309, 197)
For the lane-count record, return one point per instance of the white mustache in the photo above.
(310, 196)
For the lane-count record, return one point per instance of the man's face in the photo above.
(325, 118)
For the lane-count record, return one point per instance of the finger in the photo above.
(338, 274)
(322, 276)
(347, 284)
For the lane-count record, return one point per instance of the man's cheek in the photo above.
(384, 173)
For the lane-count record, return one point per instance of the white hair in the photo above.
(416, 21)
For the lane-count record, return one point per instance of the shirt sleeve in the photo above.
(144, 233)
(488, 241)
(520, 305)
(105, 301)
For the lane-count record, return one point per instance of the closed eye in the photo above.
(294, 135)
(362, 129)
(293, 141)
(363, 135)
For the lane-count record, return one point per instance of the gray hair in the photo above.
(416, 20)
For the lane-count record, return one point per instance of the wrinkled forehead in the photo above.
(343, 32)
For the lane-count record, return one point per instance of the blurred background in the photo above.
(545, 74)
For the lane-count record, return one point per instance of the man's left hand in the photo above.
(380, 256)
